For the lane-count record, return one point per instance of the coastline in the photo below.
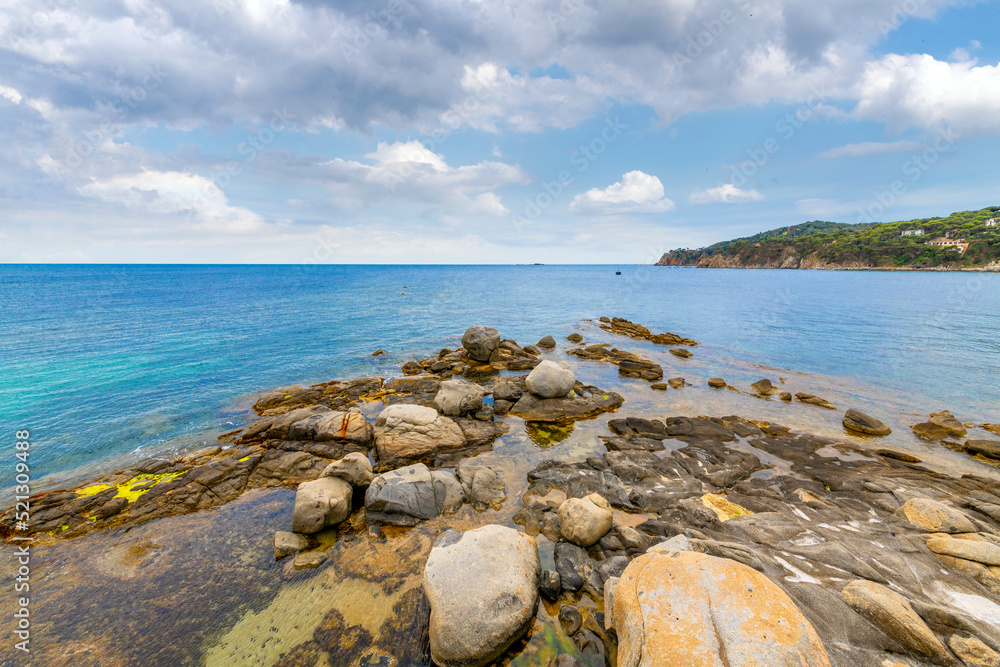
(745, 456)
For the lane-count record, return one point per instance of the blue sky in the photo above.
(446, 131)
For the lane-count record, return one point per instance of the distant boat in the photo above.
(618, 272)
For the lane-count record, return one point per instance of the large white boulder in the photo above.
(482, 586)
(411, 432)
(550, 379)
(320, 503)
(458, 397)
(583, 521)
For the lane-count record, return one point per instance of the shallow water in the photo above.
(109, 364)
(204, 589)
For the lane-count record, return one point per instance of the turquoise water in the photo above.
(107, 363)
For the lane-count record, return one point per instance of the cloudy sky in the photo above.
(481, 131)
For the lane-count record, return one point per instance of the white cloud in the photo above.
(919, 91)
(411, 171)
(11, 94)
(193, 197)
(871, 148)
(637, 192)
(725, 194)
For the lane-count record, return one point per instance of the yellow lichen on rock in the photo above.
(130, 490)
(724, 509)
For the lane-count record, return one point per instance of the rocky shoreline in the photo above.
(696, 540)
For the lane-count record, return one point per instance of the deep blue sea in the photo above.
(108, 363)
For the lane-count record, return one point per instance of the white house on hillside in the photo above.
(912, 232)
(992, 222)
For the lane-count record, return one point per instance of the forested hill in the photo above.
(968, 239)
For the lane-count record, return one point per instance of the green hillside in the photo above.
(877, 245)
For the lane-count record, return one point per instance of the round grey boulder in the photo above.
(859, 422)
(458, 397)
(550, 379)
(320, 503)
(584, 521)
(479, 342)
(482, 586)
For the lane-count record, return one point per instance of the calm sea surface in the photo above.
(109, 363)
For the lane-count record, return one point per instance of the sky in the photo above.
(481, 131)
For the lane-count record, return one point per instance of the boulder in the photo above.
(718, 383)
(935, 517)
(929, 431)
(583, 521)
(947, 421)
(988, 448)
(458, 397)
(320, 503)
(574, 338)
(354, 468)
(409, 432)
(548, 342)
(764, 387)
(550, 379)
(659, 386)
(646, 370)
(406, 496)
(692, 609)
(983, 552)
(859, 422)
(815, 400)
(483, 486)
(681, 352)
(508, 389)
(893, 614)
(309, 560)
(482, 586)
(411, 368)
(286, 544)
(480, 342)
(549, 585)
(571, 561)
(315, 423)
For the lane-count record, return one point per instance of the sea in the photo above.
(109, 364)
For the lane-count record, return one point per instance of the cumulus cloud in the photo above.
(920, 91)
(725, 194)
(637, 192)
(192, 196)
(870, 148)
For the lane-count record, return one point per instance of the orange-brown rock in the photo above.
(692, 609)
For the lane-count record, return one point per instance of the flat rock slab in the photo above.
(482, 586)
(935, 517)
(584, 402)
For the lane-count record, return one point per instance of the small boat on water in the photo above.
(618, 272)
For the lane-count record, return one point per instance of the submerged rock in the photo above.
(411, 432)
(548, 342)
(574, 338)
(625, 328)
(681, 352)
(321, 503)
(929, 431)
(815, 400)
(551, 380)
(480, 342)
(718, 383)
(647, 370)
(692, 609)
(286, 544)
(859, 422)
(482, 586)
